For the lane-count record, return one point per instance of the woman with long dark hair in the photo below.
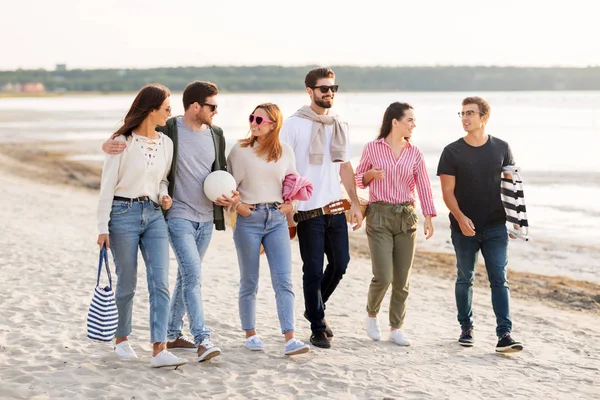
(133, 190)
(394, 171)
(259, 165)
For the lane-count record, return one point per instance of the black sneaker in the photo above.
(506, 344)
(466, 338)
(328, 330)
(319, 339)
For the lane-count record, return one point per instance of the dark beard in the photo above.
(324, 104)
(201, 120)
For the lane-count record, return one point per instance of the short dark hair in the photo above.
(198, 91)
(317, 73)
(484, 106)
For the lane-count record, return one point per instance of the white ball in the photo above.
(219, 183)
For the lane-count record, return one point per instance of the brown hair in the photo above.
(270, 149)
(198, 91)
(148, 99)
(484, 106)
(396, 111)
(317, 73)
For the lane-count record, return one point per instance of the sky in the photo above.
(170, 33)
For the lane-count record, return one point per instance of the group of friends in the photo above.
(152, 195)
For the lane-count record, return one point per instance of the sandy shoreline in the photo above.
(48, 263)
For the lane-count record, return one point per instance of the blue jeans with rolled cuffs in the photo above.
(493, 243)
(140, 225)
(267, 226)
(189, 240)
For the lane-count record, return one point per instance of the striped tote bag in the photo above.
(102, 316)
(513, 200)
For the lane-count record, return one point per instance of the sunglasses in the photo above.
(258, 118)
(212, 107)
(324, 89)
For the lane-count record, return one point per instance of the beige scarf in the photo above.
(317, 139)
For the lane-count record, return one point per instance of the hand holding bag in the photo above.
(102, 316)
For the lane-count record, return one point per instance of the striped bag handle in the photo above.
(104, 257)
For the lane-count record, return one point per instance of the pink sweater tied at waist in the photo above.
(296, 187)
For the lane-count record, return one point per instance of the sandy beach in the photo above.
(48, 263)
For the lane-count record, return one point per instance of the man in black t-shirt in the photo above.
(470, 170)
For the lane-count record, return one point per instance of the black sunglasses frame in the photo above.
(324, 88)
(213, 107)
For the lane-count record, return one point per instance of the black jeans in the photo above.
(320, 236)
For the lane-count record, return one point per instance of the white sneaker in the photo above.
(124, 351)
(254, 343)
(373, 329)
(398, 337)
(295, 346)
(207, 350)
(167, 359)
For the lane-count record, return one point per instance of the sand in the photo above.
(48, 262)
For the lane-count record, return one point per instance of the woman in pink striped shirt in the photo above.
(394, 170)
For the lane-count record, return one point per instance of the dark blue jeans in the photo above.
(322, 236)
(493, 243)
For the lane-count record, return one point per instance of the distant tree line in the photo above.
(277, 78)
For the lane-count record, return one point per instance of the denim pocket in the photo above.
(120, 208)
(156, 206)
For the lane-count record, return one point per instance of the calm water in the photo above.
(553, 135)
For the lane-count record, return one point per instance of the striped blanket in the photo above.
(513, 201)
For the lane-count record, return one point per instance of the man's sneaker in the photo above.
(319, 339)
(466, 338)
(398, 337)
(506, 344)
(254, 343)
(328, 330)
(182, 343)
(207, 350)
(167, 359)
(294, 346)
(124, 351)
(373, 330)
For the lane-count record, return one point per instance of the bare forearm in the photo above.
(347, 175)
(452, 204)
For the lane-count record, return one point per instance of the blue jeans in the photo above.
(493, 243)
(320, 236)
(189, 241)
(140, 224)
(267, 226)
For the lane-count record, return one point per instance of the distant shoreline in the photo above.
(8, 95)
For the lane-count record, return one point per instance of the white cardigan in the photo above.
(133, 173)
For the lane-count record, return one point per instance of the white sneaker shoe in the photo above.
(398, 337)
(124, 351)
(254, 343)
(295, 346)
(167, 359)
(207, 350)
(373, 329)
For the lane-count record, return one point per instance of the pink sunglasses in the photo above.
(258, 118)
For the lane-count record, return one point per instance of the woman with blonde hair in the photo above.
(259, 164)
(132, 191)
